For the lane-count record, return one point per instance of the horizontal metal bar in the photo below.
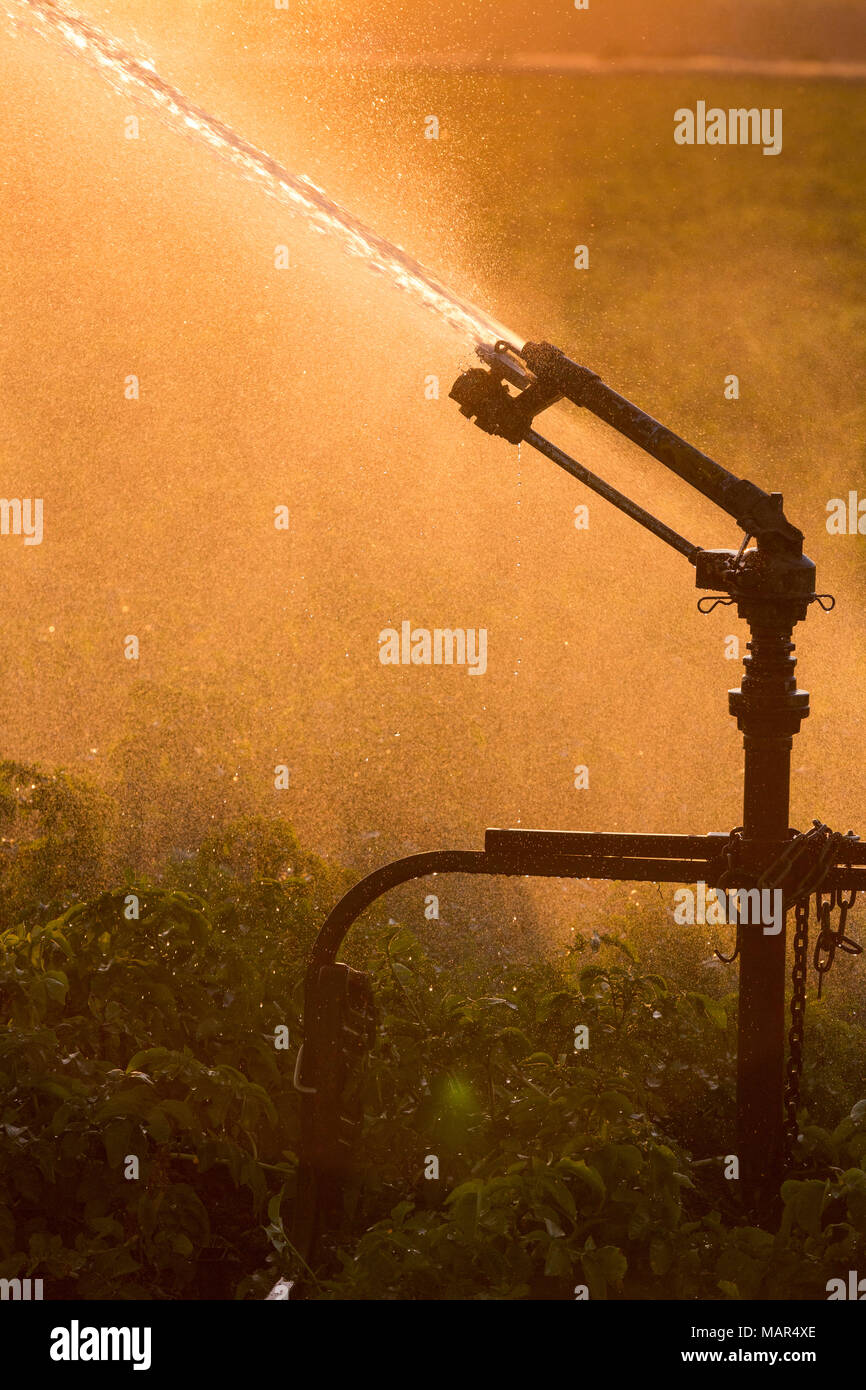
(631, 869)
(845, 877)
(750, 853)
(758, 854)
(579, 842)
(548, 854)
(628, 868)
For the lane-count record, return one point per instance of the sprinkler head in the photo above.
(481, 395)
(484, 394)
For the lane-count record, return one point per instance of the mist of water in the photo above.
(137, 78)
(259, 651)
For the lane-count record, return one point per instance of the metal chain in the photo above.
(794, 1068)
(799, 871)
(830, 941)
(803, 863)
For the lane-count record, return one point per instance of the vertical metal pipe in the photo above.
(769, 709)
(761, 1025)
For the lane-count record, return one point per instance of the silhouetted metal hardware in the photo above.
(339, 1030)
(772, 584)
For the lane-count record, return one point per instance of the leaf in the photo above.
(114, 1263)
(61, 1118)
(147, 1057)
(7, 1230)
(60, 940)
(587, 1176)
(180, 1112)
(158, 1126)
(661, 1256)
(606, 1265)
(116, 1138)
(640, 1220)
(516, 1041)
(560, 1194)
(189, 1211)
(558, 1263)
(626, 1160)
(58, 1089)
(402, 940)
(56, 985)
(804, 1202)
(135, 1100)
(465, 1202)
(711, 1008)
(613, 1104)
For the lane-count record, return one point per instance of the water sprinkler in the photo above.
(772, 584)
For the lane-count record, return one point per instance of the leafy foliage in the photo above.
(141, 1023)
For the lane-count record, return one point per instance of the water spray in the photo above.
(137, 78)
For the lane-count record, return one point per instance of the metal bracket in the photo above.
(527, 854)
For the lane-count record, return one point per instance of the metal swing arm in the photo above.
(541, 375)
